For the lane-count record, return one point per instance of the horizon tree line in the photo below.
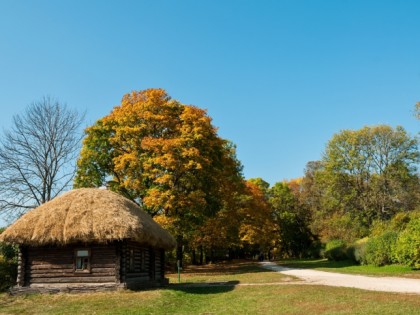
(168, 158)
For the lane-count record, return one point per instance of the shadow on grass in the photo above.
(223, 268)
(204, 288)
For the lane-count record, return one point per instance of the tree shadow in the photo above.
(223, 268)
(204, 287)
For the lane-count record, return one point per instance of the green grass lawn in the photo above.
(250, 290)
(238, 272)
(348, 266)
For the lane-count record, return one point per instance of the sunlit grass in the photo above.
(348, 266)
(239, 271)
(262, 296)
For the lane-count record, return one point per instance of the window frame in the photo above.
(76, 257)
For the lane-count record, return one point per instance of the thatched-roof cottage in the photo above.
(88, 239)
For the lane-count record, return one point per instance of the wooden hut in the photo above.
(88, 239)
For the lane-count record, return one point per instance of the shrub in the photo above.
(407, 247)
(8, 274)
(8, 265)
(9, 252)
(379, 249)
(359, 250)
(336, 250)
(315, 250)
(344, 227)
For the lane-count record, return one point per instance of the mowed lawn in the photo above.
(234, 288)
(347, 266)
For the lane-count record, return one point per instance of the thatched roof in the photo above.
(87, 215)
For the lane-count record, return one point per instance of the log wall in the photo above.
(141, 265)
(135, 261)
(119, 264)
(158, 265)
(20, 281)
(49, 265)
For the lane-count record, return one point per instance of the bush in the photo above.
(344, 227)
(336, 250)
(359, 250)
(8, 265)
(315, 250)
(379, 249)
(407, 247)
(8, 274)
(9, 252)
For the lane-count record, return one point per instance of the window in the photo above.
(82, 262)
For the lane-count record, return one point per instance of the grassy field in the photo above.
(348, 266)
(239, 272)
(247, 289)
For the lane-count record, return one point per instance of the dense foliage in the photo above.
(366, 185)
(167, 157)
(379, 249)
(336, 250)
(358, 202)
(8, 265)
(407, 246)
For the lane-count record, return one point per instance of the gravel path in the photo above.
(387, 284)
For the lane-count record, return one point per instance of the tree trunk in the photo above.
(201, 254)
(194, 260)
(179, 251)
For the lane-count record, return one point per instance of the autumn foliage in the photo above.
(164, 155)
(167, 157)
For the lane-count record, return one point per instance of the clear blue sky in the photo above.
(279, 78)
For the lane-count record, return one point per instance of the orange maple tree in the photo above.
(164, 155)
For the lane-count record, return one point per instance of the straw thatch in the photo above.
(87, 215)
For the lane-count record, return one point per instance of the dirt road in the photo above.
(315, 277)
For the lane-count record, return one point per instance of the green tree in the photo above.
(371, 171)
(291, 221)
(314, 198)
(365, 175)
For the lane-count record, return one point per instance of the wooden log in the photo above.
(57, 263)
(51, 266)
(102, 279)
(102, 265)
(110, 270)
(72, 275)
(137, 279)
(68, 266)
(70, 288)
(137, 274)
(71, 271)
(52, 271)
(21, 268)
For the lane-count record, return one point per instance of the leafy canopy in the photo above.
(163, 155)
